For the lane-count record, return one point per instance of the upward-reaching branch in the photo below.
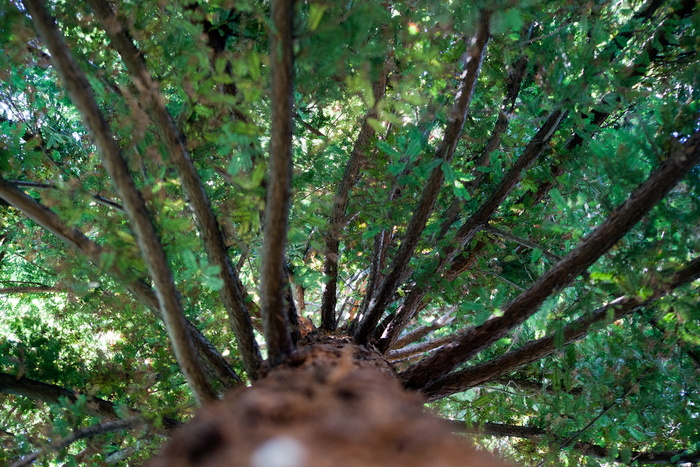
(445, 152)
(149, 243)
(640, 202)
(273, 275)
(232, 293)
(534, 149)
(340, 204)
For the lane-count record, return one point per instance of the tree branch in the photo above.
(48, 220)
(534, 149)
(422, 331)
(89, 432)
(587, 449)
(417, 349)
(340, 202)
(521, 241)
(29, 289)
(537, 349)
(149, 243)
(102, 200)
(52, 394)
(640, 202)
(444, 153)
(273, 276)
(232, 293)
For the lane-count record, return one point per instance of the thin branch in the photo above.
(444, 153)
(521, 241)
(587, 449)
(273, 274)
(462, 380)
(52, 394)
(513, 86)
(567, 441)
(338, 218)
(100, 199)
(533, 151)
(30, 289)
(592, 247)
(422, 331)
(48, 220)
(418, 349)
(149, 243)
(89, 432)
(232, 293)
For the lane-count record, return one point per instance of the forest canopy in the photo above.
(501, 198)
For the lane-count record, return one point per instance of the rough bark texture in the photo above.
(273, 271)
(331, 404)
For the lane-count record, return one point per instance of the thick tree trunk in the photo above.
(331, 404)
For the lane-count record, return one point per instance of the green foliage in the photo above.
(211, 62)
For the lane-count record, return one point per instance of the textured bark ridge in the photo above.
(331, 404)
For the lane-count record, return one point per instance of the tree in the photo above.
(340, 211)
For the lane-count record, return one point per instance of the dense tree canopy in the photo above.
(501, 198)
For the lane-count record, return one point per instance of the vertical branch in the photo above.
(445, 152)
(273, 277)
(232, 293)
(340, 204)
(146, 237)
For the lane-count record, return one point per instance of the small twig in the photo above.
(83, 433)
(104, 201)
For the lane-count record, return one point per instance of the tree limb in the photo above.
(232, 293)
(639, 203)
(534, 149)
(48, 220)
(537, 349)
(340, 202)
(149, 243)
(57, 445)
(587, 449)
(29, 289)
(444, 153)
(100, 199)
(521, 241)
(52, 394)
(273, 274)
(422, 331)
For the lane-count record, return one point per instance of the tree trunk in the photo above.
(331, 404)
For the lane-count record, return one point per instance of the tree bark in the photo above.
(273, 275)
(331, 404)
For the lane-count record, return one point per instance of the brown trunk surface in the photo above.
(332, 404)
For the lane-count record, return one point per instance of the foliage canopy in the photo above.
(460, 199)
